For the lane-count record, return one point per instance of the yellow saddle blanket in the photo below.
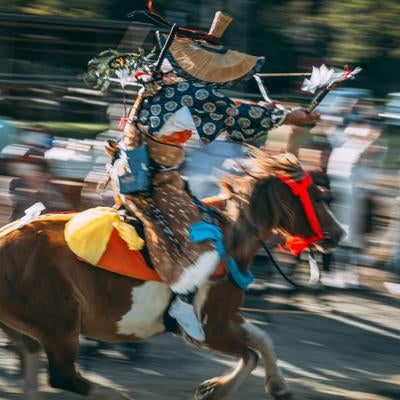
(88, 233)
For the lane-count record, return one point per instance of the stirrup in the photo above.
(186, 317)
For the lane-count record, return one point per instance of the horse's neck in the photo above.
(242, 238)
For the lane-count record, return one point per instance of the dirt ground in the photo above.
(332, 344)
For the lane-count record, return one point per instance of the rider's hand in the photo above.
(300, 117)
(270, 106)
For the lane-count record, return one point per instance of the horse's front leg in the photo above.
(259, 340)
(227, 338)
(222, 387)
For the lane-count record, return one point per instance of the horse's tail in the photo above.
(19, 223)
(11, 227)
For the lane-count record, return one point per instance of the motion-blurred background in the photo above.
(52, 126)
(334, 342)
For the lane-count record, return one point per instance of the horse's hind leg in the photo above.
(28, 350)
(56, 325)
(259, 340)
(31, 374)
(62, 350)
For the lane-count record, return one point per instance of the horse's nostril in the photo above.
(334, 237)
(342, 234)
(327, 235)
(339, 235)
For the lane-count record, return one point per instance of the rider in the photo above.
(185, 102)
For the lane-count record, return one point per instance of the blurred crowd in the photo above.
(61, 173)
(352, 154)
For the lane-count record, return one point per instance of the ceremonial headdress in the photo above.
(204, 59)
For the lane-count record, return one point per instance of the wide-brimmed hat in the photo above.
(210, 63)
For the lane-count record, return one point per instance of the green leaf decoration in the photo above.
(103, 67)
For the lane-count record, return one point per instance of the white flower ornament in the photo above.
(323, 77)
(124, 77)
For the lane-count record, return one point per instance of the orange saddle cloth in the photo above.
(120, 259)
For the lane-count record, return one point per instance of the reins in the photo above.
(264, 245)
(275, 263)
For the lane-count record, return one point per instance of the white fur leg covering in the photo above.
(198, 273)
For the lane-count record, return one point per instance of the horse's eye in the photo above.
(316, 194)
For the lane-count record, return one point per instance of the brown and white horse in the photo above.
(47, 294)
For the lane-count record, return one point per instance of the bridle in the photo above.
(296, 244)
(299, 187)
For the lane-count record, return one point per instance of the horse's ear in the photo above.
(111, 147)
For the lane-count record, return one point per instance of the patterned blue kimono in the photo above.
(212, 112)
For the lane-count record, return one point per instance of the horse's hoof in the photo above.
(278, 389)
(284, 394)
(100, 392)
(206, 390)
(75, 384)
(33, 396)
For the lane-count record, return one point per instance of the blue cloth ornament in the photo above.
(202, 231)
(137, 177)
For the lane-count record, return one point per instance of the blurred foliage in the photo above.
(108, 62)
(347, 30)
(292, 34)
(71, 8)
(76, 130)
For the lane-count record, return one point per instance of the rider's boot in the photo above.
(183, 311)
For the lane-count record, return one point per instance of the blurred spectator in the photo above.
(391, 116)
(349, 171)
(33, 184)
(8, 134)
(394, 262)
(32, 177)
(36, 139)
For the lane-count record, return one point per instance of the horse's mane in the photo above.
(255, 186)
(262, 165)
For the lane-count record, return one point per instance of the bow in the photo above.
(320, 78)
(327, 79)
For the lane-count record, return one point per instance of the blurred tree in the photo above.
(72, 8)
(292, 34)
(344, 30)
(337, 32)
(348, 31)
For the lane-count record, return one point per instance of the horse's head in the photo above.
(281, 196)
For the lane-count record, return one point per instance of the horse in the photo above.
(51, 297)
